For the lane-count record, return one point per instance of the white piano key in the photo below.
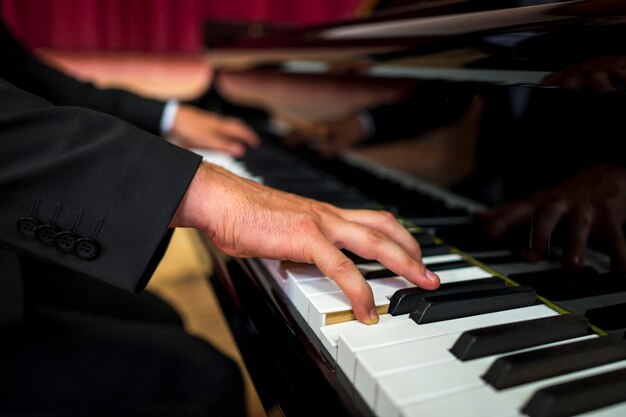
(485, 401)
(306, 281)
(439, 259)
(427, 260)
(278, 273)
(463, 274)
(370, 266)
(353, 340)
(376, 363)
(301, 272)
(330, 337)
(300, 292)
(397, 390)
(325, 309)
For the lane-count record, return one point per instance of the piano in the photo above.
(502, 336)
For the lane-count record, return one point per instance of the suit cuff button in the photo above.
(46, 234)
(87, 248)
(27, 226)
(66, 241)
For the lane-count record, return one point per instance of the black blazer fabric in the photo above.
(78, 188)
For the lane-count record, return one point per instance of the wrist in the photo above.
(191, 210)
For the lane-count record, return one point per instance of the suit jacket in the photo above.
(80, 189)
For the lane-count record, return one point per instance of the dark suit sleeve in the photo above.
(19, 67)
(90, 174)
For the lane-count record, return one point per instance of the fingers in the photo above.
(503, 218)
(385, 223)
(371, 244)
(235, 149)
(544, 223)
(335, 265)
(599, 80)
(614, 236)
(581, 222)
(237, 130)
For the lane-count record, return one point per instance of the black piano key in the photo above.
(472, 237)
(356, 258)
(578, 396)
(379, 273)
(488, 341)
(522, 368)
(500, 259)
(608, 317)
(405, 300)
(446, 266)
(564, 285)
(436, 250)
(433, 212)
(454, 306)
(424, 239)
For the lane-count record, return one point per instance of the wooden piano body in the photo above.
(508, 135)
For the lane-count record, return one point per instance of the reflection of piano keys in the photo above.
(401, 368)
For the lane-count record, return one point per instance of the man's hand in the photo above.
(196, 128)
(329, 138)
(592, 201)
(600, 73)
(247, 219)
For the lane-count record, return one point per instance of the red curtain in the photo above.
(151, 25)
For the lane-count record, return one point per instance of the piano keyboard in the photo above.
(478, 346)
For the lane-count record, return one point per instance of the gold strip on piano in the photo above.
(348, 315)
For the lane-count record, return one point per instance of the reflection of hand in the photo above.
(329, 138)
(592, 201)
(196, 128)
(247, 219)
(603, 73)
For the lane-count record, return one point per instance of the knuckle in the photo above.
(387, 216)
(343, 267)
(375, 237)
(306, 224)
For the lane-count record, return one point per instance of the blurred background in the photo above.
(152, 25)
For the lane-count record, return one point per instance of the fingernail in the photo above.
(576, 260)
(431, 275)
(373, 316)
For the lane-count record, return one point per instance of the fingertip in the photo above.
(575, 262)
(373, 318)
(432, 280)
(366, 315)
(238, 151)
